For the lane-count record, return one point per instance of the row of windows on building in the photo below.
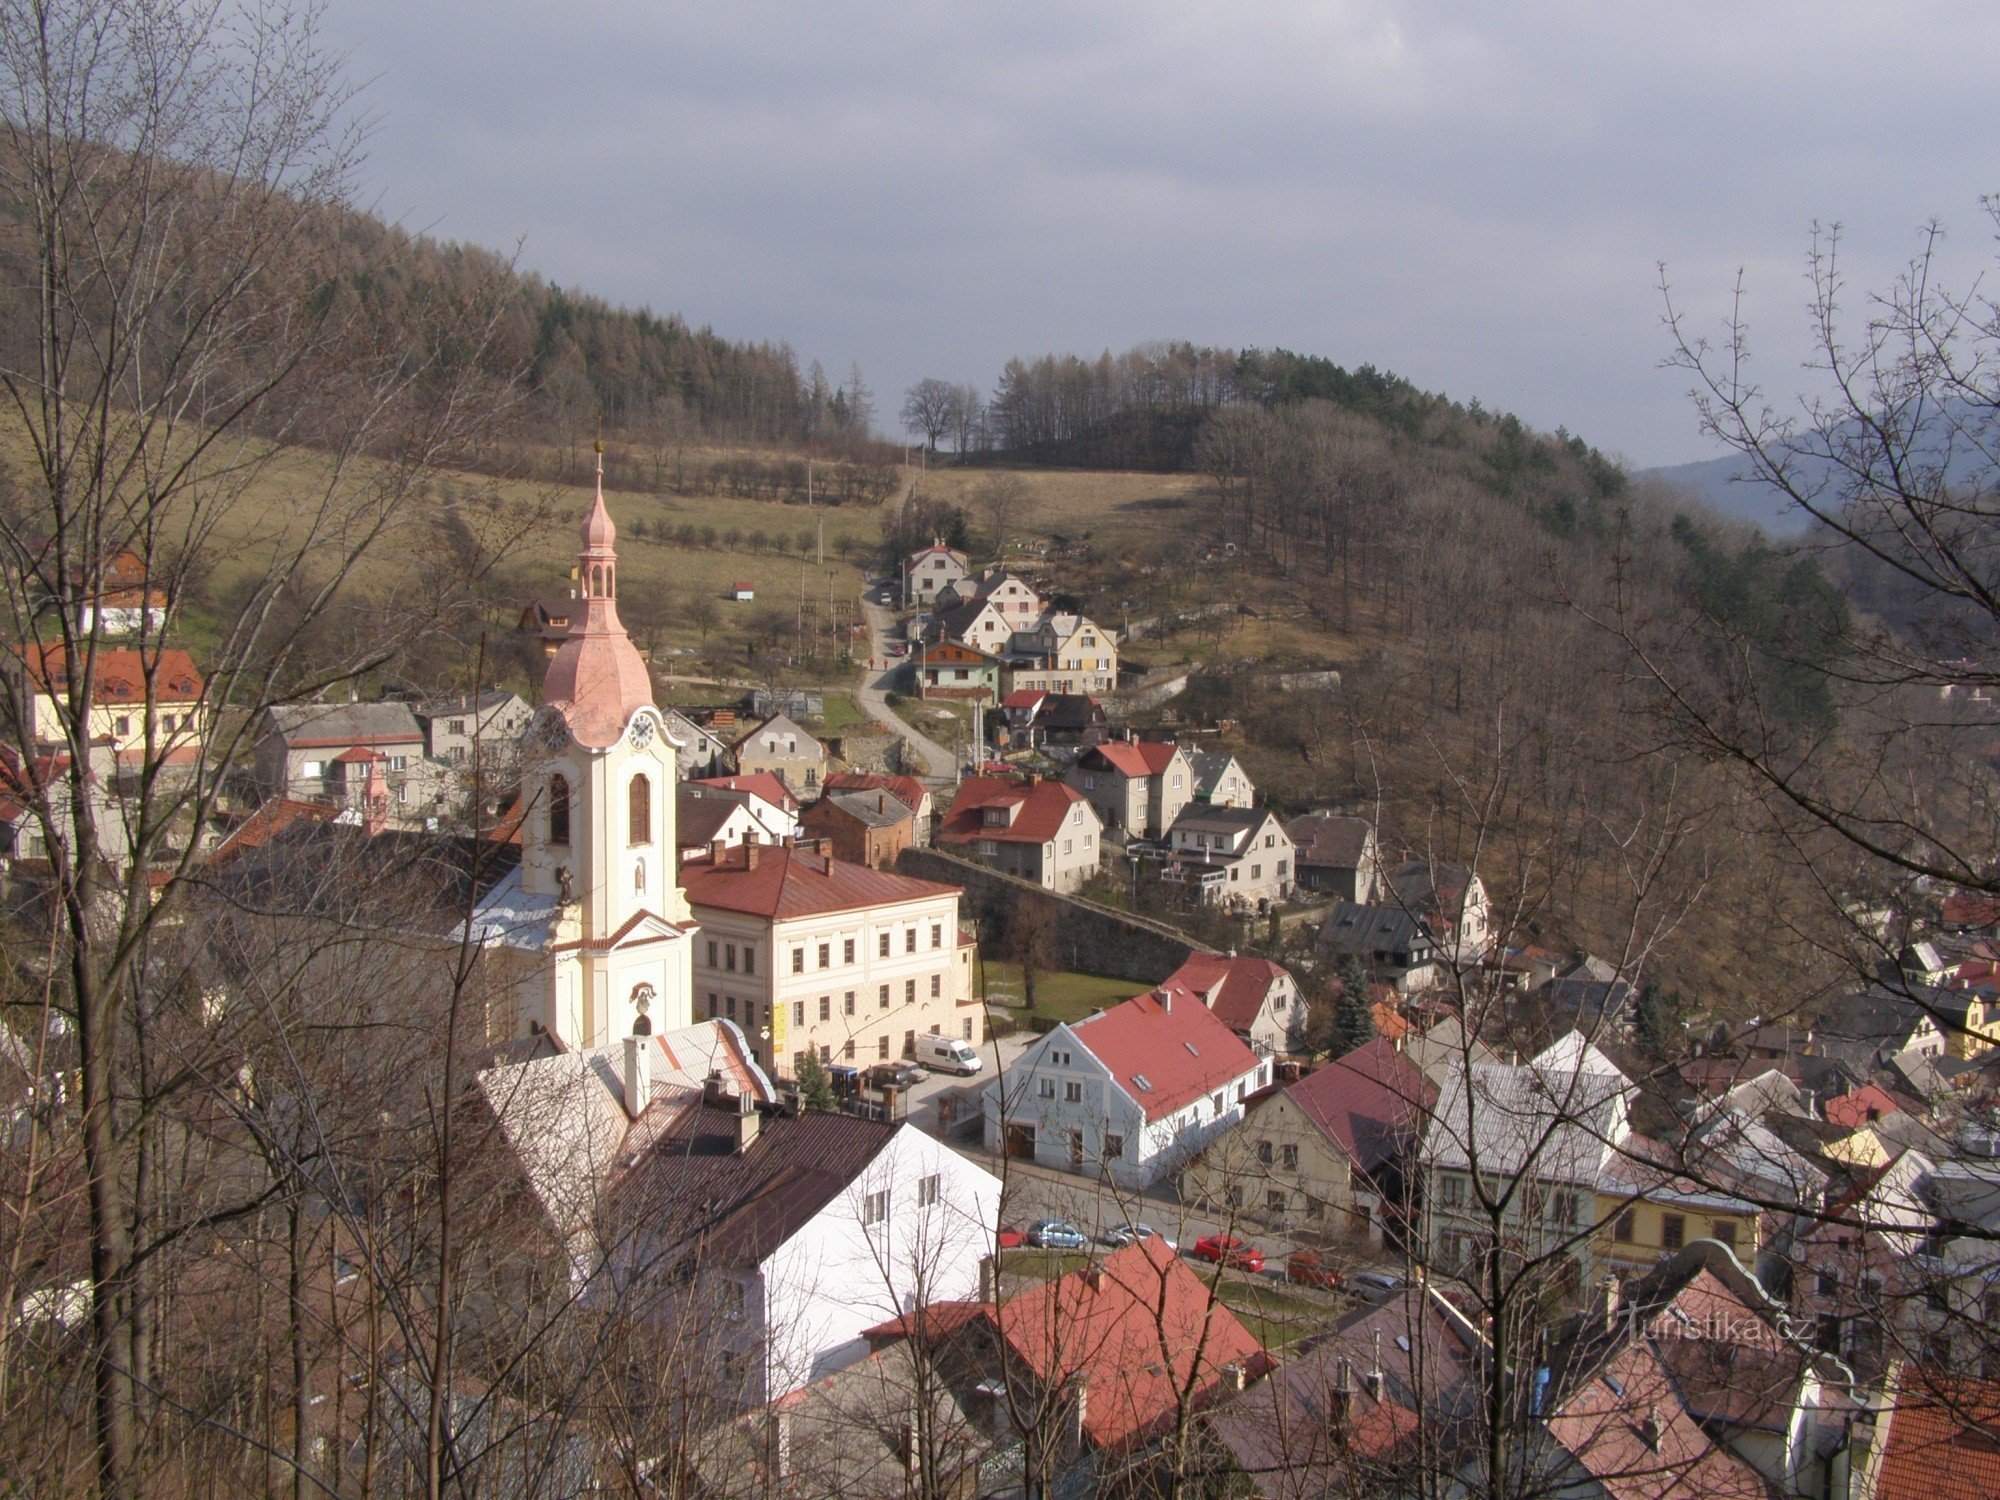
(851, 1049)
(849, 1005)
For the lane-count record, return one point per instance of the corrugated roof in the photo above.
(911, 792)
(1173, 1042)
(313, 724)
(770, 880)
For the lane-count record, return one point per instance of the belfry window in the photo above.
(558, 809)
(639, 807)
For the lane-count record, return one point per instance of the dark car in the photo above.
(895, 1075)
(1304, 1268)
(1120, 1235)
(1056, 1234)
(1226, 1249)
(1376, 1286)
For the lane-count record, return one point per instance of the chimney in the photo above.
(882, 803)
(913, 1451)
(1649, 1430)
(638, 1075)
(1373, 1381)
(1232, 1379)
(1093, 1277)
(781, 1445)
(1340, 1400)
(748, 1121)
(752, 852)
(1079, 1412)
(712, 1091)
(715, 848)
(1613, 1297)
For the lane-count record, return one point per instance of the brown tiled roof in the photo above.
(1234, 986)
(697, 819)
(1171, 1040)
(1370, 1103)
(1943, 1443)
(765, 784)
(121, 673)
(1043, 806)
(265, 824)
(769, 880)
(1627, 1428)
(1329, 840)
(905, 789)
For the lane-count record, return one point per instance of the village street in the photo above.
(934, 761)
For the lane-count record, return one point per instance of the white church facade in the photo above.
(597, 890)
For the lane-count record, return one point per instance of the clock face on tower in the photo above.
(641, 733)
(552, 734)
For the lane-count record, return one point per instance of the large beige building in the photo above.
(803, 950)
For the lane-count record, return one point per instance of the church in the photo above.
(597, 891)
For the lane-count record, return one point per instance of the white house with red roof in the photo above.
(1137, 787)
(770, 803)
(932, 568)
(1253, 997)
(809, 952)
(1131, 1093)
(1041, 831)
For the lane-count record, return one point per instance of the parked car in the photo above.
(1376, 1286)
(1011, 1237)
(895, 1075)
(1056, 1234)
(1304, 1268)
(1119, 1235)
(948, 1054)
(898, 648)
(1227, 1250)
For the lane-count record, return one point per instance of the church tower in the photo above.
(597, 836)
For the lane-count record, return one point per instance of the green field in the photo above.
(1060, 995)
(1274, 1317)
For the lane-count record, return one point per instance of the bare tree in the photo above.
(1007, 504)
(928, 408)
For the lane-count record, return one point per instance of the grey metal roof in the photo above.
(1359, 931)
(1201, 816)
(346, 723)
(1555, 1118)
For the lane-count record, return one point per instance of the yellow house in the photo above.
(1646, 1211)
(1982, 1027)
(131, 688)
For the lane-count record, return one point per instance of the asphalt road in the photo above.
(873, 694)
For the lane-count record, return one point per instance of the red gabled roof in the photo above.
(905, 789)
(265, 824)
(1367, 1102)
(771, 880)
(1043, 807)
(1942, 1441)
(1028, 698)
(765, 784)
(1234, 986)
(1853, 1110)
(1628, 1429)
(1168, 1038)
(1971, 909)
(1142, 1328)
(121, 673)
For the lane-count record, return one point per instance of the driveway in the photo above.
(873, 695)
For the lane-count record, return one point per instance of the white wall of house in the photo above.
(853, 1266)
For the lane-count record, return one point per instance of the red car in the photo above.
(1229, 1251)
(1011, 1238)
(1306, 1269)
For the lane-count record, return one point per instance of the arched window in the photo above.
(558, 809)
(639, 803)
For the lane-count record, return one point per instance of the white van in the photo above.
(947, 1054)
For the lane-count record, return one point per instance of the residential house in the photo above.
(1015, 600)
(124, 597)
(299, 747)
(490, 723)
(708, 1206)
(931, 569)
(1036, 717)
(138, 698)
(1450, 900)
(1041, 831)
(780, 748)
(809, 951)
(1329, 1153)
(1237, 856)
(864, 828)
(699, 751)
(1647, 1207)
(948, 669)
(1363, 1408)
(1385, 940)
(1221, 781)
(1138, 787)
(1336, 855)
(1534, 1138)
(1131, 1093)
(702, 823)
(769, 801)
(978, 624)
(549, 619)
(908, 790)
(43, 784)
(1255, 998)
(1063, 653)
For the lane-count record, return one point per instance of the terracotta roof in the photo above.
(1028, 698)
(1370, 1103)
(769, 880)
(1141, 1327)
(1172, 1041)
(905, 789)
(1627, 1428)
(1140, 758)
(265, 824)
(1867, 1103)
(1043, 807)
(1234, 986)
(1971, 909)
(765, 784)
(1390, 1022)
(1942, 1442)
(121, 673)
(357, 755)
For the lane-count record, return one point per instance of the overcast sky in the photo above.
(1475, 195)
